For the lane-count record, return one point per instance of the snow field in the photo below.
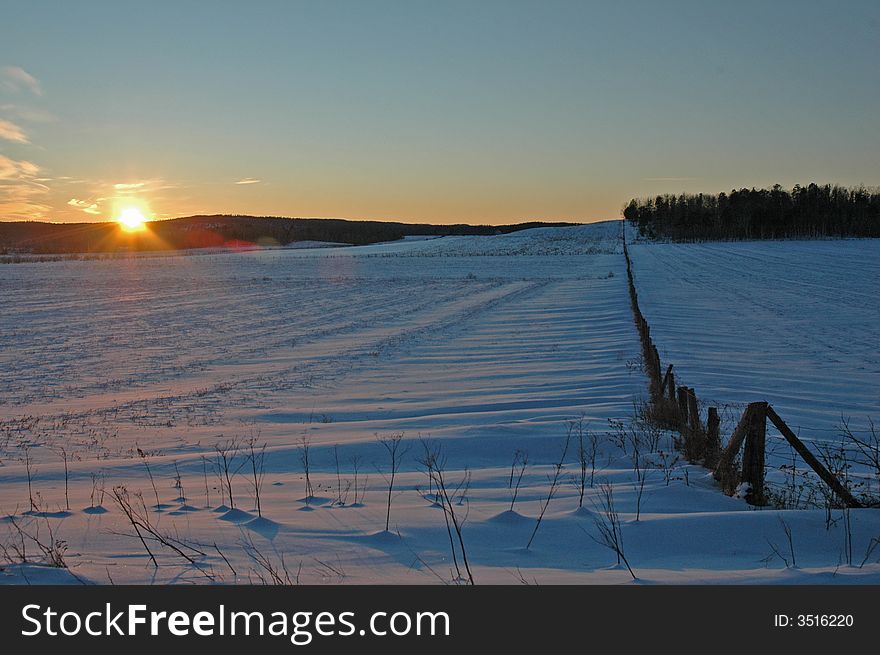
(481, 345)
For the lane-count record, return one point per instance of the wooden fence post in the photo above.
(724, 469)
(695, 439)
(753, 453)
(665, 381)
(683, 409)
(693, 412)
(713, 438)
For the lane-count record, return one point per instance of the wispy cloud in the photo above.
(85, 205)
(103, 197)
(22, 194)
(249, 180)
(148, 186)
(12, 132)
(15, 79)
(12, 169)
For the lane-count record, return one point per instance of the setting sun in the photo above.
(132, 220)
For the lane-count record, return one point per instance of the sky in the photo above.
(479, 112)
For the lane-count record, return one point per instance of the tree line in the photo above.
(804, 212)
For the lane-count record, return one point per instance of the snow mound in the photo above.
(509, 517)
(264, 527)
(236, 516)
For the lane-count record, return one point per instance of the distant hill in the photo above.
(219, 231)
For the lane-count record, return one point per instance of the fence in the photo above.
(676, 408)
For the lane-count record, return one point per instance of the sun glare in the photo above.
(132, 220)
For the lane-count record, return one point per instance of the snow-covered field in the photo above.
(796, 323)
(479, 345)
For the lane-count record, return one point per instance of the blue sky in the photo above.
(425, 111)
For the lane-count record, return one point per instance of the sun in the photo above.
(132, 220)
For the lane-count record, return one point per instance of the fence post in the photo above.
(753, 453)
(713, 438)
(671, 387)
(683, 410)
(724, 471)
(665, 381)
(695, 440)
(693, 412)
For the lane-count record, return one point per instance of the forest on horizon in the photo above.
(810, 211)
